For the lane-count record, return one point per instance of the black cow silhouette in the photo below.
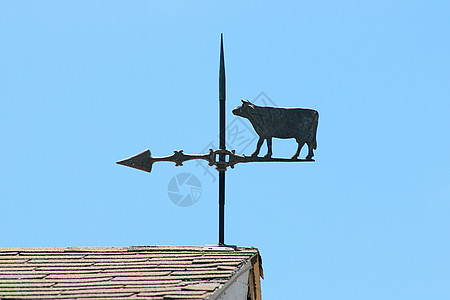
(283, 123)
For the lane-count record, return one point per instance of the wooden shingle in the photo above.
(138, 272)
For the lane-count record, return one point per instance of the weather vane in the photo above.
(268, 122)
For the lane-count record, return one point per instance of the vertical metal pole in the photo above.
(222, 143)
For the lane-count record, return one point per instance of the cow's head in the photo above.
(244, 110)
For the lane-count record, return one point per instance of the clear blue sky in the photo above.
(86, 83)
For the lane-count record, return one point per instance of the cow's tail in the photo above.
(314, 129)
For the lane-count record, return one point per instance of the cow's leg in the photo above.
(310, 151)
(258, 146)
(269, 148)
(299, 148)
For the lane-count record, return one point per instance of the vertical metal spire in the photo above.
(222, 143)
(222, 95)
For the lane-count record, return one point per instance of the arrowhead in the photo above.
(142, 161)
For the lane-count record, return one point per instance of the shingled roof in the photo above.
(138, 272)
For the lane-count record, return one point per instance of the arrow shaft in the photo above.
(180, 159)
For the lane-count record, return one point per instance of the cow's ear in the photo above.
(245, 101)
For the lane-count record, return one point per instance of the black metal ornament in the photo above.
(268, 122)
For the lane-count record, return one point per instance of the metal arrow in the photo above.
(144, 161)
